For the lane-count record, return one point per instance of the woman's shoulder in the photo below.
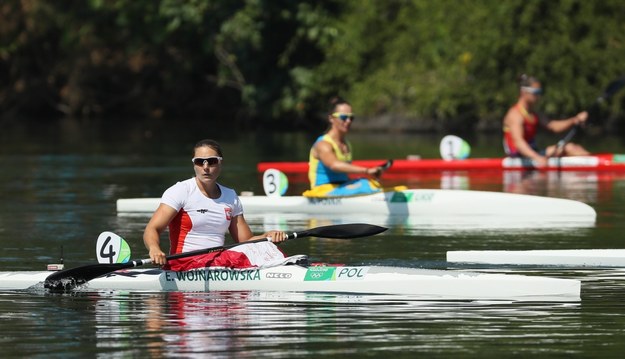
(185, 185)
(513, 113)
(326, 140)
(176, 194)
(188, 183)
(321, 138)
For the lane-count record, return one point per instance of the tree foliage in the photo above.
(449, 64)
(458, 61)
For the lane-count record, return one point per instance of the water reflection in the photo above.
(416, 225)
(252, 324)
(174, 322)
(398, 225)
(584, 186)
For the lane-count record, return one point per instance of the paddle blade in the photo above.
(613, 88)
(387, 165)
(69, 279)
(343, 231)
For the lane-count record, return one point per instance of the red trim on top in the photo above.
(179, 227)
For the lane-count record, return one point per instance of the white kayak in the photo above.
(562, 257)
(417, 284)
(435, 204)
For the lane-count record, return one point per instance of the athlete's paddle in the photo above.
(68, 279)
(383, 168)
(613, 87)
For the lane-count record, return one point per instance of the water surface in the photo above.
(56, 199)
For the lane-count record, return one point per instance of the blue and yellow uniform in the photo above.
(325, 182)
(318, 173)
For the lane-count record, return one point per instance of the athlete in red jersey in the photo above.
(198, 212)
(521, 124)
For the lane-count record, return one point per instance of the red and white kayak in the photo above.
(597, 162)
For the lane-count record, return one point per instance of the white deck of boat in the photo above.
(566, 257)
(430, 206)
(414, 283)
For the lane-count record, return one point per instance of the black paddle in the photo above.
(387, 165)
(66, 280)
(613, 87)
(383, 168)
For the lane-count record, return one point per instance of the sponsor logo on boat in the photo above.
(404, 197)
(335, 273)
(577, 161)
(273, 275)
(516, 162)
(349, 273)
(214, 275)
(618, 158)
(319, 273)
(573, 161)
(325, 201)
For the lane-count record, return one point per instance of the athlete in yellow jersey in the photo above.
(331, 156)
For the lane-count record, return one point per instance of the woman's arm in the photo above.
(325, 154)
(239, 229)
(558, 126)
(151, 235)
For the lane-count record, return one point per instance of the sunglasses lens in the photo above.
(344, 116)
(532, 90)
(211, 161)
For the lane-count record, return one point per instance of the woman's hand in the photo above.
(375, 171)
(157, 256)
(540, 161)
(581, 118)
(276, 236)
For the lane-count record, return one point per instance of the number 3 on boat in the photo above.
(275, 183)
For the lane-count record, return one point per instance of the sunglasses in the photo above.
(210, 161)
(532, 90)
(344, 116)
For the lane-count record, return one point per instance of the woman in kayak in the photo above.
(521, 124)
(329, 162)
(198, 212)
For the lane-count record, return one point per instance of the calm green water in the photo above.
(58, 189)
